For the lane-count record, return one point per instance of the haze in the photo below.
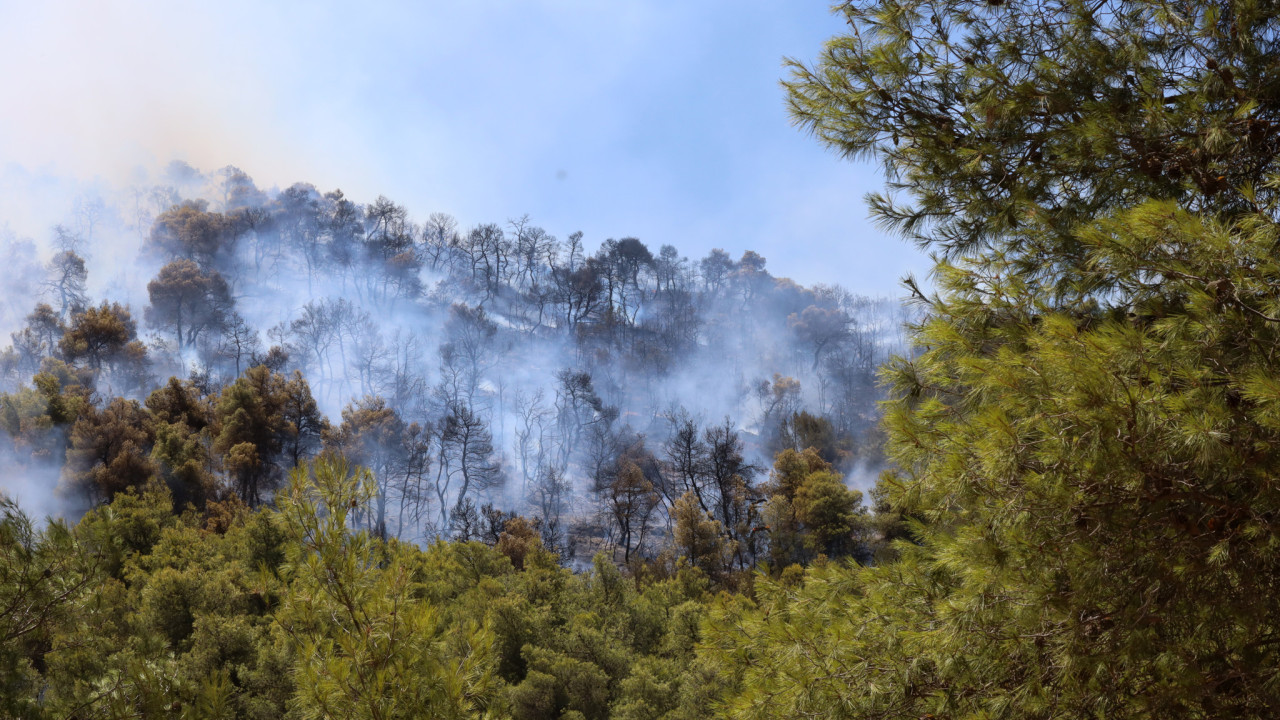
(658, 120)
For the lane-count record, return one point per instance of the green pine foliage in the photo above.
(1085, 446)
(287, 611)
(1092, 501)
(365, 645)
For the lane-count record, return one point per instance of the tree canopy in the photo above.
(1084, 446)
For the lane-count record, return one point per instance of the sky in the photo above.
(659, 119)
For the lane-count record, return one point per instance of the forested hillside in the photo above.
(318, 459)
(534, 465)
(474, 370)
(512, 469)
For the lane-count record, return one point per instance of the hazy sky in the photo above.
(661, 120)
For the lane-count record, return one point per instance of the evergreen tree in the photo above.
(44, 576)
(252, 431)
(1087, 443)
(1002, 117)
(109, 450)
(103, 336)
(188, 301)
(366, 647)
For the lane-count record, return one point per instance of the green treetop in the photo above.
(995, 118)
(1087, 443)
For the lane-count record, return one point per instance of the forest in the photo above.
(295, 455)
(491, 395)
(476, 373)
(316, 380)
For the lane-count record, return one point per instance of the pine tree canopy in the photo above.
(1087, 442)
(1008, 124)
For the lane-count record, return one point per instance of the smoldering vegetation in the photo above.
(204, 333)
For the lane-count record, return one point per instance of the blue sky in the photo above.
(659, 120)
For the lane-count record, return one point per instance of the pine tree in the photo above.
(997, 117)
(367, 646)
(1086, 445)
